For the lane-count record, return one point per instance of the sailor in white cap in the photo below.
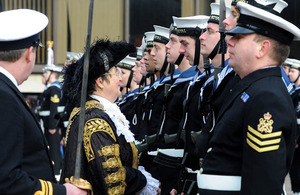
(150, 66)
(25, 164)
(253, 143)
(170, 155)
(125, 66)
(210, 39)
(286, 66)
(47, 108)
(138, 77)
(294, 74)
(189, 30)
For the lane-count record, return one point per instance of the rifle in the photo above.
(149, 140)
(169, 139)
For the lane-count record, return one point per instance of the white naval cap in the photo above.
(293, 63)
(173, 28)
(190, 26)
(127, 63)
(20, 28)
(149, 37)
(139, 53)
(257, 20)
(275, 6)
(215, 13)
(52, 68)
(73, 56)
(191, 21)
(162, 34)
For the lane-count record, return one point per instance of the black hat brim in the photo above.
(239, 30)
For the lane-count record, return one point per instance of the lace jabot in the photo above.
(115, 114)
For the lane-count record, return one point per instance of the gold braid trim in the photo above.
(47, 188)
(112, 163)
(112, 150)
(76, 111)
(119, 176)
(118, 190)
(134, 155)
(90, 127)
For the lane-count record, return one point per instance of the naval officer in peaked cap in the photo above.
(25, 164)
(253, 143)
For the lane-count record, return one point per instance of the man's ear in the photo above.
(264, 48)
(28, 54)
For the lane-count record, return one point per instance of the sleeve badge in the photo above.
(262, 139)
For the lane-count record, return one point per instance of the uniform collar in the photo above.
(9, 76)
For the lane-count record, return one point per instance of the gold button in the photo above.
(201, 171)
(209, 149)
(53, 163)
(48, 147)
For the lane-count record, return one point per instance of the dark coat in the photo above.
(24, 157)
(255, 134)
(108, 162)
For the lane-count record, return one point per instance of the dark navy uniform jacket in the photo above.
(255, 134)
(25, 165)
(50, 100)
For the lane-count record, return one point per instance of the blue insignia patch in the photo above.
(245, 97)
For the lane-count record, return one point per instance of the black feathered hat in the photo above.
(104, 54)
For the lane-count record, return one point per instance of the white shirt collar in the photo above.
(9, 76)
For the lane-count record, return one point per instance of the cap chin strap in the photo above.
(142, 82)
(164, 67)
(179, 59)
(151, 76)
(198, 33)
(214, 52)
(129, 81)
(297, 78)
(171, 72)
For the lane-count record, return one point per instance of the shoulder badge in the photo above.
(55, 98)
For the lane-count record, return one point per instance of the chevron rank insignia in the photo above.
(262, 139)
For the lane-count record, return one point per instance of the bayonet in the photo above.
(223, 45)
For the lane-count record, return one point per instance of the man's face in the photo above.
(209, 39)
(187, 47)
(173, 49)
(150, 66)
(158, 54)
(293, 74)
(286, 69)
(137, 75)
(231, 20)
(45, 76)
(242, 51)
(124, 73)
